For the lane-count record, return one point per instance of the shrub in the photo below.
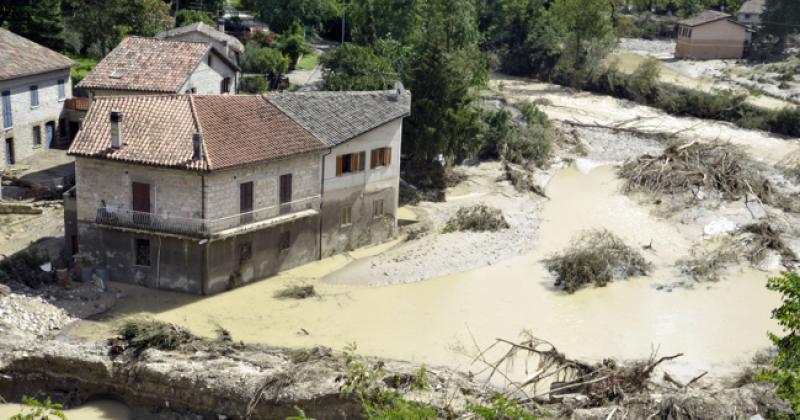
(23, 267)
(253, 84)
(143, 334)
(532, 114)
(500, 408)
(533, 143)
(785, 371)
(642, 85)
(596, 256)
(296, 291)
(476, 218)
(39, 410)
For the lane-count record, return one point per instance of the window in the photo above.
(142, 252)
(246, 202)
(34, 96)
(245, 252)
(380, 157)
(210, 60)
(37, 135)
(285, 193)
(346, 216)
(377, 208)
(285, 241)
(62, 93)
(350, 163)
(193, 90)
(225, 85)
(7, 117)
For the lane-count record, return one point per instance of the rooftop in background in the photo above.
(149, 64)
(212, 33)
(20, 57)
(335, 117)
(707, 16)
(158, 130)
(753, 7)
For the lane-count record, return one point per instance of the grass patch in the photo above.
(308, 61)
(596, 256)
(84, 67)
(296, 291)
(476, 218)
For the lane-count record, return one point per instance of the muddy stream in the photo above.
(718, 326)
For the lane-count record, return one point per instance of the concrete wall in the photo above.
(173, 192)
(222, 187)
(70, 223)
(226, 270)
(206, 79)
(720, 39)
(175, 264)
(359, 192)
(26, 117)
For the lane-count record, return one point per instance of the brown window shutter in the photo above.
(373, 158)
(388, 159)
(339, 165)
(362, 160)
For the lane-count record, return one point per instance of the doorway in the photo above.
(141, 203)
(49, 131)
(10, 159)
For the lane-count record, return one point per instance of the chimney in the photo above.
(116, 129)
(397, 91)
(221, 24)
(197, 146)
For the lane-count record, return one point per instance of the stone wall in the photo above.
(25, 117)
(206, 79)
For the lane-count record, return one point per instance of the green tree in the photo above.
(280, 14)
(187, 17)
(266, 61)
(584, 27)
(353, 67)
(293, 43)
(781, 18)
(372, 20)
(37, 20)
(785, 372)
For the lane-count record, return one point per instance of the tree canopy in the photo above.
(185, 17)
(781, 19)
(280, 14)
(37, 20)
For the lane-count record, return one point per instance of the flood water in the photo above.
(717, 326)
(95, 410)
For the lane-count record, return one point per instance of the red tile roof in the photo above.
(20, 57)
(157, 130)
(148, 64)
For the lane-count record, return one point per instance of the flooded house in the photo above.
(35, 85)
(150, 66)
(711, 35)
(201, 194)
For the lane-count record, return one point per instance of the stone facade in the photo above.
(206, 79)
(48, 115)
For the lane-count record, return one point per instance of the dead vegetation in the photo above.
(702, 169)
(296, 291)
(476, 218)
(23, 268)
(596, 256)
(141, 334)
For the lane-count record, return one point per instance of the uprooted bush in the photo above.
(760, 239)
(23, 267)
(596, 256)
(476, 218)
(702, 168)
(296, 291)
(143, 334)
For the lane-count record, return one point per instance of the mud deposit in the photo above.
(95, 410)
(718, 326)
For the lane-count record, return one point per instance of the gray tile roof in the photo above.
(204, 29)
(753, 7)
(20, 57)
(335, 117)
(707, 16)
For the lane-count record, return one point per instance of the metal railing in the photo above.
(197, 226)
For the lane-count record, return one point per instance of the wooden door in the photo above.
(141, 203)
(246, 202)
(285, 193)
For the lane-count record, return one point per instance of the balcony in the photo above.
(78, 104)
(190, 226)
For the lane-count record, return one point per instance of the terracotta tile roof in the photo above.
(707, 16)
(157, 130)
(206, 30)
(335, 117)
(20, 57)
(148, 64)
(753, 7)
(239, 130)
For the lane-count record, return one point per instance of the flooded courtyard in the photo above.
(443, 320)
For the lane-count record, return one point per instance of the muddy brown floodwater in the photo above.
(94, 410)
(718, 326)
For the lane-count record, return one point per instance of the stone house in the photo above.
(750, 12)
(150, 66)
(34, 86)
(200, 32)
(201, 194)
(711, 35)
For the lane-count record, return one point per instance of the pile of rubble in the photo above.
(32, 315)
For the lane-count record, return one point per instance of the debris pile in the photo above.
(596, 256)
(30, 315)
(296, 291)
(476, 218)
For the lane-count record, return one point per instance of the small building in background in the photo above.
(150, 66)
(200, 32)
(750, 12)
(711, 35)
(35, 84)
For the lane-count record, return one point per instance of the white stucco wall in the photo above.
(222, 47)
(26, 117)
(206, 79)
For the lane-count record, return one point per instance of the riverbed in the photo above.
(442, 321)
(93, 410)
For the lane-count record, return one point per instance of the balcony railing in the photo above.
(78, 103)
(200, 227)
